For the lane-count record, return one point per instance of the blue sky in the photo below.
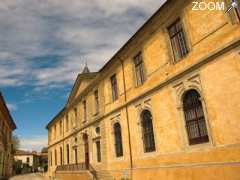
(44, 44)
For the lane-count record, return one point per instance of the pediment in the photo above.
(82, 81)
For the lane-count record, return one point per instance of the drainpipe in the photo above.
(127, 116)
(63, 153)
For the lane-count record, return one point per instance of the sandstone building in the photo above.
(7, 125)
(165, 106)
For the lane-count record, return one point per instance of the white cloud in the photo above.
(12, 107)
(72, 30)
(34, 143)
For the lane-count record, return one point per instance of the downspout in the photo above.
(63, 152)
(127, 116)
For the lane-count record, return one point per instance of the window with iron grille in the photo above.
(96, 97)
(147, 129)
(194, 117)
(98, 147)
(139, 69)
(118, 140)
(178, 41)
(114, 87)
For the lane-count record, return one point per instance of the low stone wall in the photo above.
(73, 175)
(224, 171)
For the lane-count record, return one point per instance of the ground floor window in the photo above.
(98, 148)
(194, 117)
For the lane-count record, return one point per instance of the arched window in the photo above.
(147, 130)
(118, 140)
(194, 117)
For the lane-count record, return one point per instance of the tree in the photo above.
(15, 143)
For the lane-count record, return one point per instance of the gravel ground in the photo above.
(33, 176)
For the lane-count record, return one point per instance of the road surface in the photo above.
(33, 176)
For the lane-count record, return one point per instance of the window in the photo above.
(147, 129)
(76, 155)
(67, 123)
(55, 131)
(118, 140)
(178, 40)
(55, 156)
(194, 117)
(60, 127)
(85, 110)
(96, 97)
(61, 156)
(75, 116)
(28, 160)
(98, 147)
(139, 68)
(114, 87)
(51, 158)
(67, 153)
(237, 10)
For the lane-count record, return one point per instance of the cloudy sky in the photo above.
(44, 44)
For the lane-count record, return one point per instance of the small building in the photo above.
(26, 161)
(7, 125)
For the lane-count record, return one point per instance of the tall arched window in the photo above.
(118, 140)
(147, 129)
(194, 117)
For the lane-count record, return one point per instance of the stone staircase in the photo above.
(103, 175)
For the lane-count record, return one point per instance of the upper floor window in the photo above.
(96, 98)
(139, 69)
(28, 160)
(67, 123)
(194, 117)
(85, 110)
(178, 41)
(114, 87)
(118, 140)
(147, 129)
(60, 128)
(55, 131)
(75, 115)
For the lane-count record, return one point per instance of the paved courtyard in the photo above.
(33, 176)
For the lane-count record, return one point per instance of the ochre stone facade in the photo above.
(7, 125)
(211, 69)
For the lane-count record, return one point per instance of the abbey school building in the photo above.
(165, 106)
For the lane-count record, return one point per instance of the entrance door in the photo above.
(85, 139)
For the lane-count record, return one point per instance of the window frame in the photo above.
(98, 151)
(96, 100)
(118, 147)
(175, 34)
(200, 139)
(148, 134)
(139, 68)
(114, 87)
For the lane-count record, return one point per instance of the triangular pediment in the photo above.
(82, 81)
